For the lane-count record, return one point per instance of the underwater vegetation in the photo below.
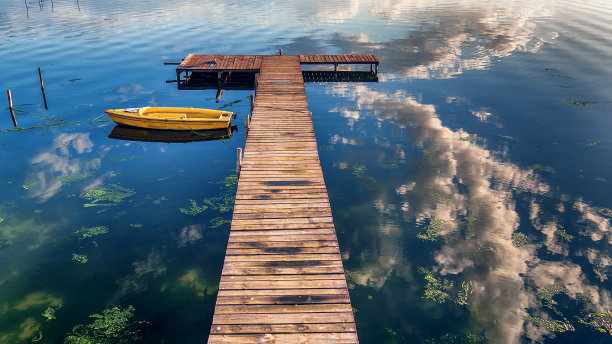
(432, 231)
(218, 221)
(85, 233)
(551, 325)
(471, 138)
(602, 211)
(80, 258)
(601, 322)
(73, 178)
(466, 338)
(441, 290)
(564, 235)
(519, 239)
(113, 326)
(49, 313)
(106, 196)
(194, 210)
(28, 185)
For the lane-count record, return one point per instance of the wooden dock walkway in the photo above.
(282, 280)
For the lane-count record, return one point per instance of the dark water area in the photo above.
(470, 186)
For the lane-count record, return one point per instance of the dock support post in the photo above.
(247, 124)
(280, 52)
(42, 88)
(10, 101)
(376, 72)
(252, 102)
(238, 160)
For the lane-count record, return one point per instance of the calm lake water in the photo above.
(471, 186)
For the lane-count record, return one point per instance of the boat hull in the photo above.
(171, 118)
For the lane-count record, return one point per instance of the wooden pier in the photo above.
(282, 280)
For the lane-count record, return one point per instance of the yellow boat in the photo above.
(171, 118)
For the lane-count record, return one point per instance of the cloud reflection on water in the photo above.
(457, 178)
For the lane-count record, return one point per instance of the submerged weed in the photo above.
(471, 138)
(218, 221)
(551, 325)
(433, 230)
(194, 210)
(564, 235)
(73, 178)
(28, 185)
(107, 195)
(113, 326)
(602, 211)
(90, 232)
(80, 258)
(519, 239)
(601, 322)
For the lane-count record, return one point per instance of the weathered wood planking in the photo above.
(282, 280)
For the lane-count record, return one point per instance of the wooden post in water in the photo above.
(247, 124)
(281, 52)
(252, 102)
(238, 160)
(10, 101)
(42, 87)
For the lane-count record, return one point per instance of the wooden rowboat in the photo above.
(171, 118)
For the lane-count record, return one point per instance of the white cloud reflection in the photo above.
(490, 186)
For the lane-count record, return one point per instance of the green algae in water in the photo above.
(229, 181)
(602, 211)
(441, 290)
(1, 219)
(194, 210)
(519, 239)
(28, 185)
(218, 221)
(80, 258)
(433, 230)
(113, 326)
(107, 196)
(592, 143)
(89, 232)
(550, 325)
(73, 178)
(466, 338)
(135, 225)
(471, 138)
(159, 200)
(359, 171)
(564, 235)
(601, 322)
(581, 102)
(49, 313)
(546, 296)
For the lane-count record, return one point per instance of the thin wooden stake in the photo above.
(247, 123)
(10, 101)
(281, 52)
(239, 160)
(42, 87)
(252, 102)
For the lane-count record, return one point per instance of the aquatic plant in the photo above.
(85, 233)
(580, 102)
(229, 181)
(546, 296)
(1, 219)
(49, 313)
(218, 221)
(60, 122)
(28, 185)
(601, 322)
(80, 258)
(592, 143)
(471, 138)
(464, 293)
(159, 200)
(113, 326)
(135, 225)
(465, 338)
(602, 211)
(542, 168)
(564, 235)
(73, 178)
(436, 288)
(519, 239)
(359, 170)
(194, 210)
(107, 195)
(432, 231)
(551, 325)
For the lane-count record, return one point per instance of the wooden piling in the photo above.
(280, 52)
(10, 101)
(238, 160)
(247, 123)
(42, 87)
(252, 101)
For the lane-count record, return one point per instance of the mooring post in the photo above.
(252, 102)
(247, 124)
(42, 88)
(238, 160)
(10, 101)
(281, 52)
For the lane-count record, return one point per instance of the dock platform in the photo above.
(283, 279)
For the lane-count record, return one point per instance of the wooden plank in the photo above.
(285, 328)
(290, 338)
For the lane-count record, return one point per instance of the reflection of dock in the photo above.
(283, 279)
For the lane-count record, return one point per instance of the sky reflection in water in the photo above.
(490, 119)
